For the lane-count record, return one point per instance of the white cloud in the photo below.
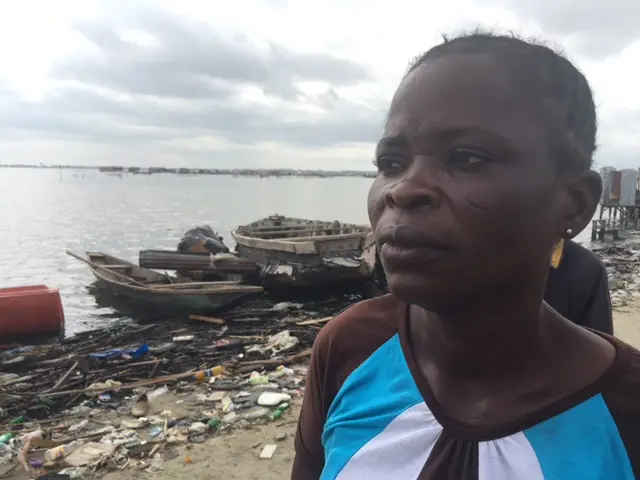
(291, 83)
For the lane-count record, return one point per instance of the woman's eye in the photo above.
(467, 158)
(389, 165)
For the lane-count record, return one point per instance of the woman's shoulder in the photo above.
(621, 393)
(371, 321)
(355, 334)
(624, 374)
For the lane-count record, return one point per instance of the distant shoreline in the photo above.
(236, 172)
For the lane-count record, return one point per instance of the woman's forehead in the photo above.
(464, 91)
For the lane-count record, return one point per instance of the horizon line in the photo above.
(185, 170)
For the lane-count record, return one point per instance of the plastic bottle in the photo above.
(273, 399)
(277, 413)
(158, 392)
(257, 379)
(214, 423)
(6, 437)
(183, 338)
(7, 377)
(61, 451)
(211, 372)
(227, 405)
(32, 435)
(255, 413)
(17, 421)
(280, 372)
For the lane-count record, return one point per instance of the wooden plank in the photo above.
(300, 245)
(178, 286)
(224, 289)
(212, 320)
(309, 231)
(315, 321)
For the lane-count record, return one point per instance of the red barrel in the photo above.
(30, 310)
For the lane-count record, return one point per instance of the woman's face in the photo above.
(467, 202)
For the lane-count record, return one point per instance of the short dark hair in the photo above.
(543, 71)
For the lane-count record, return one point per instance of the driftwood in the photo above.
(315, 321)
(76, 364)
(212, 320)
(244, 367)
(128, 386)
(187, 285)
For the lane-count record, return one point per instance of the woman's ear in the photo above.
(583, 195)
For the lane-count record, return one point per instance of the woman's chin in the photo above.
(429, 293)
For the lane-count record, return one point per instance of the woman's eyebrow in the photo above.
(441, 133)
(397, 141)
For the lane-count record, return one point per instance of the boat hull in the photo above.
(176, 303)
(307, 254)
(150, 289)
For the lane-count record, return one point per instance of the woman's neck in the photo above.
(483, 342)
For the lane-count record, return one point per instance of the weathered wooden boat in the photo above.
(222, 263)
(200, 266)
(160, 290)
(306, 253)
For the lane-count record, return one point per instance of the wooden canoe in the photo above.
(159, 290)
(307, 253)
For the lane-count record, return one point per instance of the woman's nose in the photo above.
(411, 193)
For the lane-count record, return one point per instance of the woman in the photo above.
(463, 372)
(577, 287)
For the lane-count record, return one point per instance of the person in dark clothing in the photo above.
(577, 287)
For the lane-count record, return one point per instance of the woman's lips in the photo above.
(404, 255)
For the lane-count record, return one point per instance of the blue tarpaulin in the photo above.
(139, 352)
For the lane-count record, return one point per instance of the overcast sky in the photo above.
(265, 83)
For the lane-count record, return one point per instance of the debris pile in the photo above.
(622, 261)
(124, 397)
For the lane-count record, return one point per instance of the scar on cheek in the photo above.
(478, 205)
(488, 199)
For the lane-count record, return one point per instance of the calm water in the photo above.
(43, 213)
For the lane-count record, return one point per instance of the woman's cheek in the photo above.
(487, 199)
(506, 196)
(375, 201)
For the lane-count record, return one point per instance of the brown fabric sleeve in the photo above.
(340, 347)
(623, 400)
(309, 459)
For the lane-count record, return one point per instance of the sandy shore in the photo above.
(627, 322)
(235, 456)
(230, 457)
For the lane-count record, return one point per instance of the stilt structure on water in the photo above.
(619, 204)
